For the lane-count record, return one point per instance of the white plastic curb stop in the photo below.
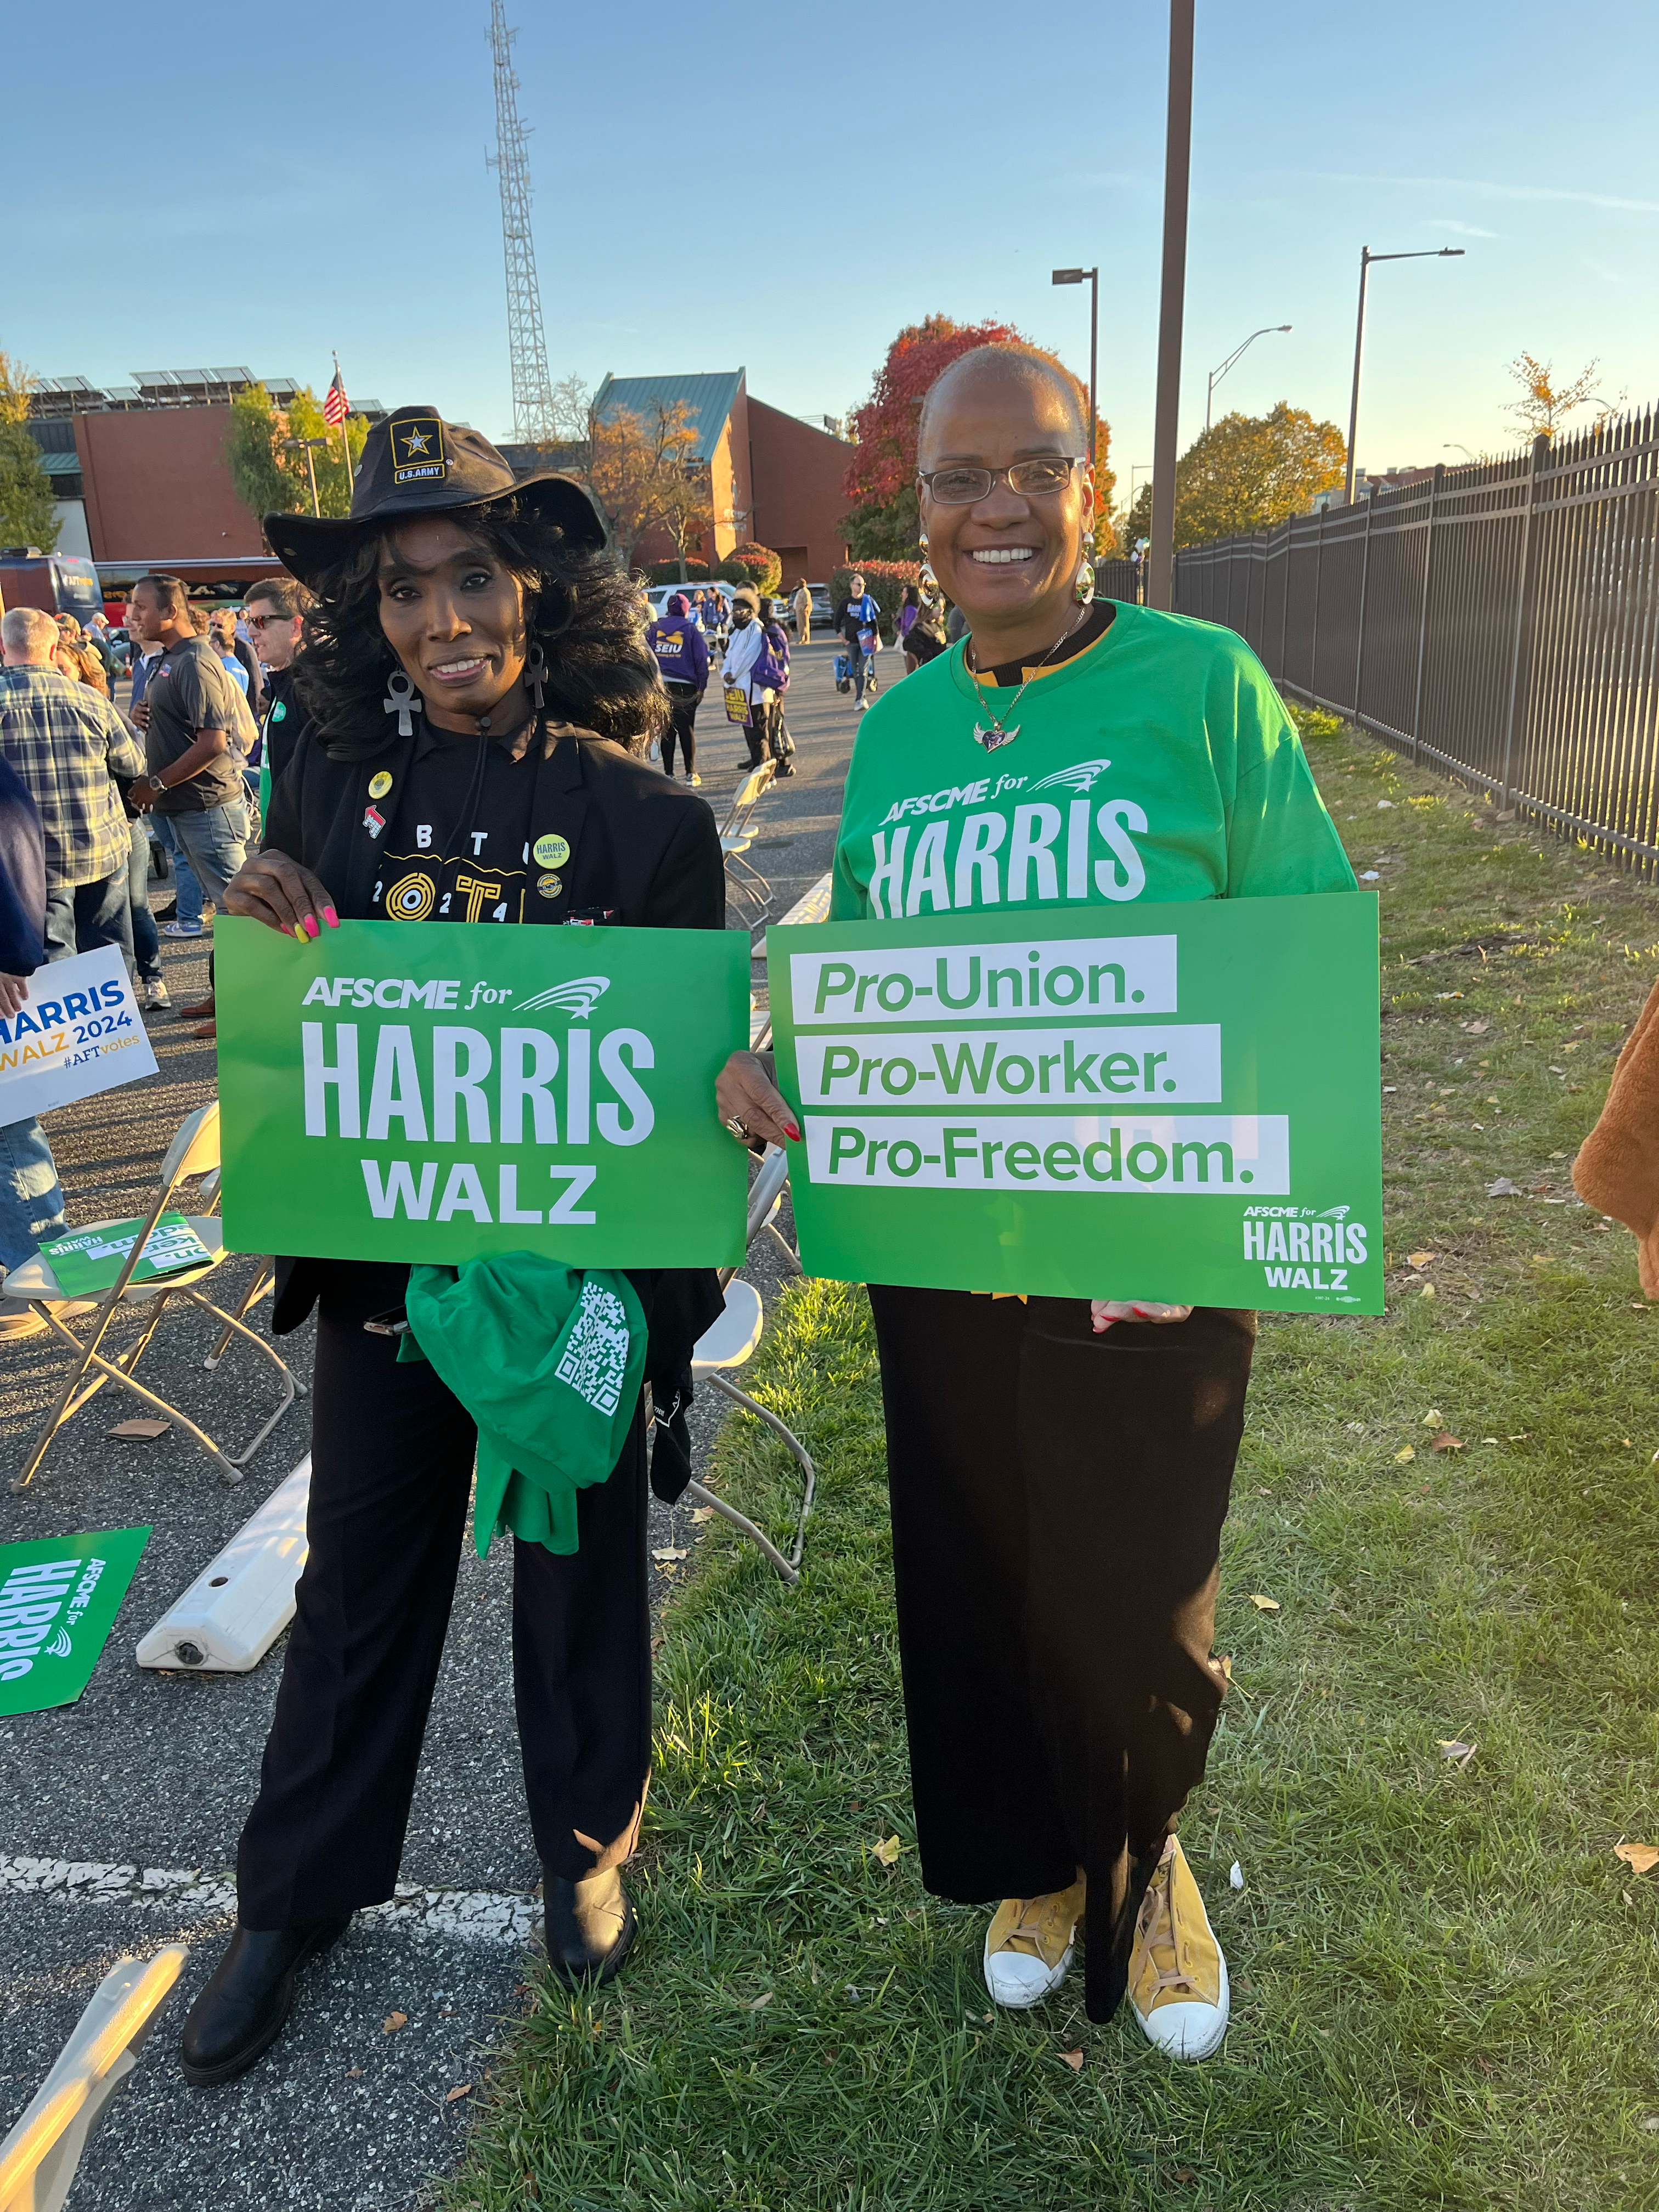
(240, 1602)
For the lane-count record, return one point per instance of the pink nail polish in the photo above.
(313, 928)
(330, 917)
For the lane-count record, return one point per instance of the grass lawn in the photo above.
(1446, 1986)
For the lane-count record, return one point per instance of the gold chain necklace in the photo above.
(997, 734)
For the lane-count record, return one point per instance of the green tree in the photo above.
(26, 493)
(271, 478)
(1246, 473)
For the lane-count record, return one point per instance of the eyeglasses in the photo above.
(263, 621)
(1048, 472)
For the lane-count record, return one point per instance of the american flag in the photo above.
(337, 406)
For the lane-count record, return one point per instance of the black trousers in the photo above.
(1057, 1503)
(392, 1467)
(683, 729)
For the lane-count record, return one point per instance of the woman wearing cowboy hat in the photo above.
(482, 700)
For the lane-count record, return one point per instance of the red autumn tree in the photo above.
(880, 479)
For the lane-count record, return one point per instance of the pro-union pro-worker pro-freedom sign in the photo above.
(441, 1091)
(1181, 1103)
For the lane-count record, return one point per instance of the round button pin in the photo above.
(379, 785)
(549, 886)
(551, 851)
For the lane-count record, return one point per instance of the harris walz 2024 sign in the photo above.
(1181, 1106)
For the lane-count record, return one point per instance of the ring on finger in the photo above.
(739, 1128)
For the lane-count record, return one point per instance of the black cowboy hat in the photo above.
(414, 463)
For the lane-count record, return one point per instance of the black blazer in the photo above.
(645, 853)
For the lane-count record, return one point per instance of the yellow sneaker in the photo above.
(1029, 1945)
(1177, 1976)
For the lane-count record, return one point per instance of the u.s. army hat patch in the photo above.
(417, 449)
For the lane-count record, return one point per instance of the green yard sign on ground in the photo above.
(58, 1599)
(1176, 1102)
(441, 1091)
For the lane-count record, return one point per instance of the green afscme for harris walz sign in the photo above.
(58, 1599)
(1182, 1106)
(441, 1091)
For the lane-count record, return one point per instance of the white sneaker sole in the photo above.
(1017, 1981)
(1187, 2031)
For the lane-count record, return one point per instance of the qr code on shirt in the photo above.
(595, 1361)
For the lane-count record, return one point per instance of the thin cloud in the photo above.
(1463, 230)
(1488, 188)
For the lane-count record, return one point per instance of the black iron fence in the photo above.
(1501, 620)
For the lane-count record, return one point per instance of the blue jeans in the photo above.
(31, 1200)
(215, 841)
(146, 938)
(82, 917)
(186, 891)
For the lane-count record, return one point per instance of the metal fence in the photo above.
(1500, 620)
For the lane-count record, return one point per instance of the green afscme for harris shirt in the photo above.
(58, 1599)
(1138, 1047)
(1160, 764)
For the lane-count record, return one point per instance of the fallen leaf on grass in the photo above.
(1406, 1455)
(1504, 1188)
(702, 1512)
(461, 2089)
(1445, 1441)
(764, 1998)
(1640, 1858)
(1235, 1876)
(1480, 1028)
(1434, 1418)
(1073, 2059)
(1420, 1259)
(393, 2021)
(669, 1553)
(1427, 1290)
(1459, 1753)
(1263, 1604)
(887, 1850)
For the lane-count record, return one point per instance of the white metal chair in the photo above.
(743, 879)
(39, 2158)
(812, 906)
(729, 1344)
(194, 1152)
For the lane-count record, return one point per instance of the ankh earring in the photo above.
(929, 581)
(403, 699)
(535, 672)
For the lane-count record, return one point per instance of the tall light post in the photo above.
(1091, 278)
(1177, 170)
(311, 446)
(1232, 360)
(1366, 258)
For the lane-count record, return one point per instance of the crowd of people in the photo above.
(458, 668)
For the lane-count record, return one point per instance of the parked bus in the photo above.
(58, 583)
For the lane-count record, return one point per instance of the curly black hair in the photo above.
(580, 607)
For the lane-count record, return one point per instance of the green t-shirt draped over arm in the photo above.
(1159, 765)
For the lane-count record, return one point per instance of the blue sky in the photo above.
(785, 187)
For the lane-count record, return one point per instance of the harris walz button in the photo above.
(551, 851)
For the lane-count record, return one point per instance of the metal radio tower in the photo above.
(532, 389)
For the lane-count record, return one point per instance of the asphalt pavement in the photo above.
(121, 1812)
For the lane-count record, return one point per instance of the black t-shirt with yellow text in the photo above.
(456, 840)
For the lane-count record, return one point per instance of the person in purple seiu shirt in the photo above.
(682, 651)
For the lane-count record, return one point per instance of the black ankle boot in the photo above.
(589, 1925)
(242, 2011)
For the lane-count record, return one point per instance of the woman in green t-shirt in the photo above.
(1059, 1470)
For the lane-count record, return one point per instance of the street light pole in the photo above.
(1232, 360)
(1366, 258)
(1092, 276)
(1177, 169)
(310, 445)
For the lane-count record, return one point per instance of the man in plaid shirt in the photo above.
(67, 745)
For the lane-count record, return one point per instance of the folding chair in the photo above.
(39, 2158)
(744, 881)
(728, 1344)
(193, 1151)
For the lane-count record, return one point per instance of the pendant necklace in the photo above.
(998, 735)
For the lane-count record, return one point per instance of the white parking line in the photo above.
(478, 1915)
